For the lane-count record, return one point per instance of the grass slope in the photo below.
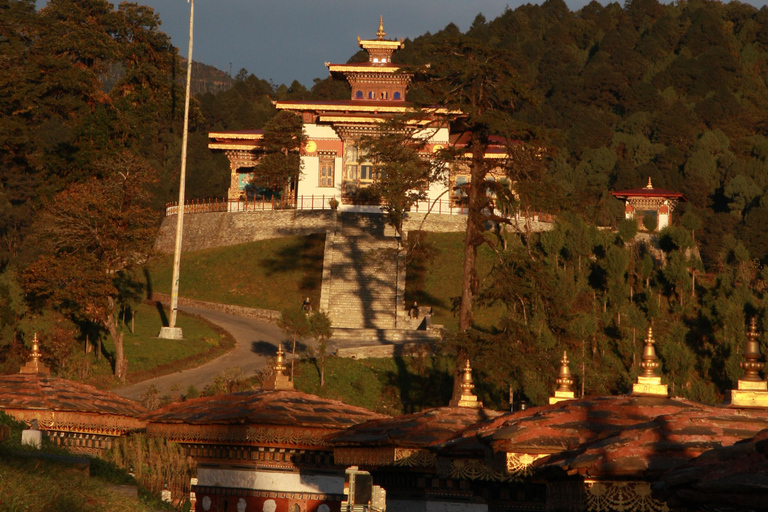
(389, 385)
(149, 356)
(270, 274)
(436, 281)
(31, 480)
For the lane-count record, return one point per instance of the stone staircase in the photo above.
(360, 274)
(363, 291)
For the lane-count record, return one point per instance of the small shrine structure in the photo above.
(78, 416)
(642, 202)
(261, 450)
(400, 454)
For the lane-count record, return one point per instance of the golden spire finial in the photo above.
(649, 185)
(751, 390)
(35, 365)
(648, 383)
(650, 359)
(279, 366)
(466, 397)
(564, 383)
(278, 380)
(751, 365)
(380, 33)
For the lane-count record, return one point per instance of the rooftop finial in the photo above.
(278, 380)
(751, 390)
(466, 398)
(35, 365)
(564, 383)
(380, 33)
(648, 383)
(649, 185)
(752, 354)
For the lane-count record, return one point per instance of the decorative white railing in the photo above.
(323, 202)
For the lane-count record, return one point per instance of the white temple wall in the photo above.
(270, 480)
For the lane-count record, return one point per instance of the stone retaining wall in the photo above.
(222, 229)
(266, 315)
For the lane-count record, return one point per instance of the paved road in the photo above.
(255, 341)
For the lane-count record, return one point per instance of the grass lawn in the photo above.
(388, 385)
(437, 282)
(148, 356)
(42, 480)
(270, 274)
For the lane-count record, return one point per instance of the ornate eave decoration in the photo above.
(250, 435)
(384, 456)
(601, 496)
(79, 422)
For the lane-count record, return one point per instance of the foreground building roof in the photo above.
(252, 417)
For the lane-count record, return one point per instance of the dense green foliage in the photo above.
(675, 92)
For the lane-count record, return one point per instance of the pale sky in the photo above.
(286, 40)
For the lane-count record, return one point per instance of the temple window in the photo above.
(359, 95)
(376, 59)
(366, 172)
(327, 171)
(370, 95)
(350, 163)
(397, 95)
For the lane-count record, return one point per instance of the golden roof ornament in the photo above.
(648, 383)
(649, 185)
(278, 380)
(751, 390)
(380, 33)
(35, 365)
(564, 383)
(466, 398)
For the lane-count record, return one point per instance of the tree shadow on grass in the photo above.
(305, 254)
(420, 258)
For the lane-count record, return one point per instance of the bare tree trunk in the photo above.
(293, 356)
(121, 364)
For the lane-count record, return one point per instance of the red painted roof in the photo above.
(609, 437)
(36, 392)
(263, 407)
(418, 430)
(649, 192)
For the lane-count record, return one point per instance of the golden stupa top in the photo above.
(380, 45)
(35, 365)
(648, 382)
(466, 398)
(278, 380)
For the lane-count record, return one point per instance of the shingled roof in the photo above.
(61, 404)
(619, 437)
(288, 418)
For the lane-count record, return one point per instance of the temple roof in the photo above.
(629, 436)
(649, 191)
(38, 392)
(263, 407)
(733, 477)
(419, 430)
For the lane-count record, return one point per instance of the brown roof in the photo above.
(419, 430)
(735, 477)
(628, 436)
(649, 192)
(263, 407)
(46, 393)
